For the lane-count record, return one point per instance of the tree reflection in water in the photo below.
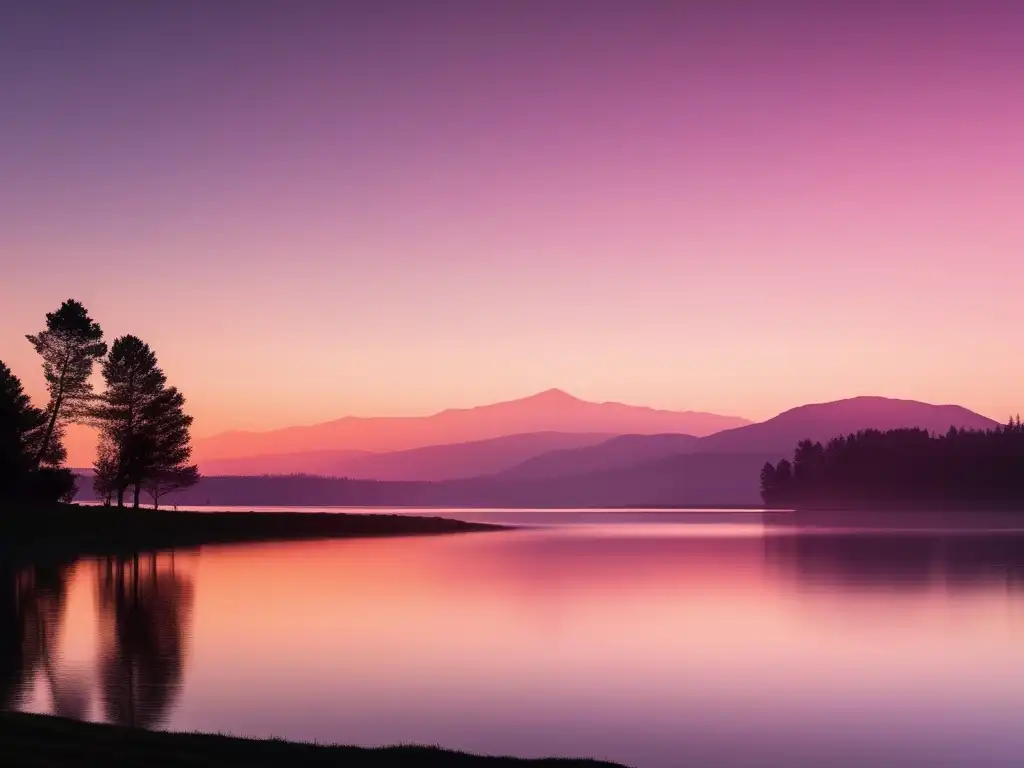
(32, 608)
(144, 604)
(145, 607)
(907, 562)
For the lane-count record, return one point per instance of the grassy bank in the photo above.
(50, 742)
(69, 529)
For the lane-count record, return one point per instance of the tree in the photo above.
(768, 482)
(145, 441)
(106, 472)
(906, 466)
(169, 444)
(166, 481)
(21, 427)
(69, 346)
(133, 382)
(20, 423)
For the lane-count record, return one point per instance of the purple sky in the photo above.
(313, 209)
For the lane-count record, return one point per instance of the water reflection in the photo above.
(652, 644)
(142, 605)
(144, 618)
(31, 613)
(909, 561)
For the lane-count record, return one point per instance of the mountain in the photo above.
(469, 459)
(434, 462)
(823, 421)
(550, 411)
(616, 453)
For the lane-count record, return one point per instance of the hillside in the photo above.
(615, 453)
(463, 460)
(433, 462)
(823, 421)
(550, 411)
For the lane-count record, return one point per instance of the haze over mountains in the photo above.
(615, 453)
(550, 411)
(434, 462)
(592, 466)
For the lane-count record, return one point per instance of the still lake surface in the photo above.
(654, 639)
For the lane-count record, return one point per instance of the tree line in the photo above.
(910, 467)
(144, 432)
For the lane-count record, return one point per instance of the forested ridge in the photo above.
(903, 467)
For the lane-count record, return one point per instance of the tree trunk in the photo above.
(50, 426)
(135, 497)
(120, 497)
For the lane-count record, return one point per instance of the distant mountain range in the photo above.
(434, 462)
(559, 468)
(550, 411)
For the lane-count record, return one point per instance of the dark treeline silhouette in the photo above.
(903, 467)
(144, 431)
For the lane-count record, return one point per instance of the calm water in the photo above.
(653, 639)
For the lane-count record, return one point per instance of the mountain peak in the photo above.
(553, 395)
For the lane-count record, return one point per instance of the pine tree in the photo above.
(69, 346)
(168, 427)
(20, 423)
(768, 482)
(145, 440)
(134, 382)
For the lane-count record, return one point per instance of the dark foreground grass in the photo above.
(41, 741)
(73, 530)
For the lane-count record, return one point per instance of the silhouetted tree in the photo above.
(767, 479)
(168, 427)
(166, 481)
(21, 428)
(106, 469)
(144, 430)
(133, 381)
(69, 346)
(20, 423)
(904, 466)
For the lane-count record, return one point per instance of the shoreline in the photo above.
(47, 741)
(68, 530)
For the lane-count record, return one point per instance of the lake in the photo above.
(654, 639)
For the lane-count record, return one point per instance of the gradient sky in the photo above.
(318, 209)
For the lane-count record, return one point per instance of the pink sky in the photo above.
(392, 210)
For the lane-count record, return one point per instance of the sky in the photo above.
(318, 209)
